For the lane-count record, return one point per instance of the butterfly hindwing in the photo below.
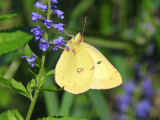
(106, 76)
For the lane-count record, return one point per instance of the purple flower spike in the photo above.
(58, 43)
(38, 4)
(44, 7)
(54, 1)
(43, 45)
(48, 23)
(59, 13)
(53, 7)
(36, 16)
(37, 32)
(59, 27)
(30, 59)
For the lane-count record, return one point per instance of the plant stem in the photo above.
(49, 9)
(33, 101)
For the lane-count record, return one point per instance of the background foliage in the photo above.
(125, 31)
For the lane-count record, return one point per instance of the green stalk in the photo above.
(33, 101)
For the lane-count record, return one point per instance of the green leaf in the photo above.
(99, 103)
(51, 99)
(50, 73)
(43, 77)
(8, 16)
(17, 114)
(5, 82)
(5, 98)
(11, 41)
(15, 85)
(3, 116)
(28, 51)
(61, 118)
(19, 87)
(81, 8)
(51, 89)
(29, 88)
(67, 102)
(11, 115)
(33, 83)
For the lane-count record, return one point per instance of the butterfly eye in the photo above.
(79, 70)
(99, 62)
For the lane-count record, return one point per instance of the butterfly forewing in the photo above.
(74, 69)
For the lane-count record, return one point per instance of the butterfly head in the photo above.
(77, 39)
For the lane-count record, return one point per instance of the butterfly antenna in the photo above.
(68, 34)
(84, 25)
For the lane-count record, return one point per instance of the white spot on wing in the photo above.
(79, 70)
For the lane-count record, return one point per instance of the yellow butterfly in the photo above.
(83, 67)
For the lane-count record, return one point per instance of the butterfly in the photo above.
(83, 67)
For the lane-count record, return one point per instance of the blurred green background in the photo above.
(127, 32)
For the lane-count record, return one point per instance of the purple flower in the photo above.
(36, 16)
(38, 4)
(129, 87)
(123, 102)
(67, 47)
(44, 7)
(53, 7)
(59, 13)
(37, 32)
(54, 1)
(43, 45)
(59, 27)
(55, 48)
(30, 59)
(147, 87)
(48, 23)
(143, 108)
(58, 43)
